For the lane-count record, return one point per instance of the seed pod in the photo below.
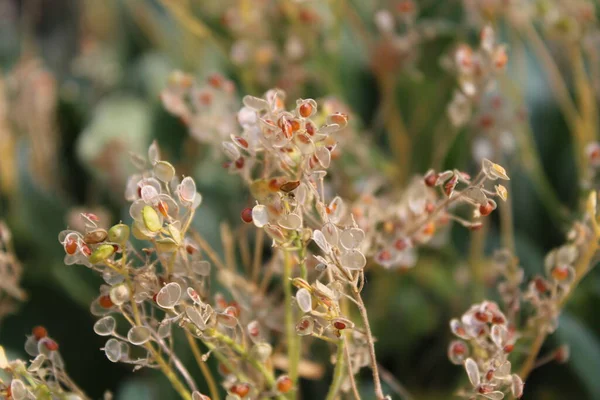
(119, 234)
(152, 221)
(101, 253)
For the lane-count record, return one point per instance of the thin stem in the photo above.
(166, 368)
(338, 372)
(355, 392)
(581, 269)
(293, 347)
(210, 380)
(395, 384)
(363, 313)
(258, 250)
(257, 365)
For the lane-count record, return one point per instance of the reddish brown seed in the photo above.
(289, 186)
(284, 384)
(223, 369)
(560, 273)
(339, 118)
(303, 324)
(459, 348)
(406, 6)
(481, 316)
(205, 98)
(39, 332)
(51, 345)
(295, 125)
(105, 301)
(236, 307)
(429, 207)
(232, 312)
(190, 249)
(70, 245)
(91, 217)
(429, 229)
(310, 128)
(401, 244)
(163, 207)
(384, 255)
(508, 348)
(305, 109)
(241, 389)
(450, 185)
(486, 209)
(246, 215)
(540, 285)
(216, 80)
(486, 121)
(489, 375)
(498, 319)
(561, 355)
(239, 163)
(241, 141)
(431, 179)
(339, 325)
(85, 250)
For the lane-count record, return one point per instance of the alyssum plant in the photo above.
(159, 271)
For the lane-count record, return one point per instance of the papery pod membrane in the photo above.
(194, 315)
(353, 259)
(201, 267)
(18, 390)
(261, 351)
(260, 216)
(331, 234)
(187, 190)
(112, 349)
(321, 241)
(304, 300)
(153, 153)
(472, 372)
(119, 234)
(149, 194)
(290, 221)
(35, 364)
(166, 245)
(119, 294)
(352, 238)
(169, 295)
(138, 335)
(255, 103)
(164, 171)
(105, 326)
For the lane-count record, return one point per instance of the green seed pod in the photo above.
(101, 253)
(119, 233)
(152, 220)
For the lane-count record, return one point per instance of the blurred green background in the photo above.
(82, 81)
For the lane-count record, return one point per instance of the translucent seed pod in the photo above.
(112, 349)
(169, 295)
(105, 326)
(138, 335)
